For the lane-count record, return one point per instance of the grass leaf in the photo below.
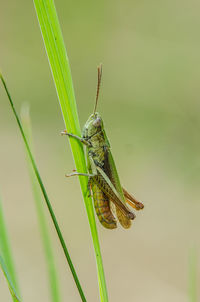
(9, 280)
(68, 258)
(5, 250)
(59, 63)
(192, 275)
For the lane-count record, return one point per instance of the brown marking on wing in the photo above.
(102, 184)
(124, 221)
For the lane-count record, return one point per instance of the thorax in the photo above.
(97, 148)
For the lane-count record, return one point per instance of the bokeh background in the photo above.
(150, 104)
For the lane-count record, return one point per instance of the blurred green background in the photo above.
(150, 104)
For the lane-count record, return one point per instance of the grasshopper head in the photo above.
(93, 125)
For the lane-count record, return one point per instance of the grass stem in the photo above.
(59, 63)
(45, 195)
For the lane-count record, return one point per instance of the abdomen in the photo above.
(102, 208)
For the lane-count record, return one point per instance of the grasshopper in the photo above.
(103, 179)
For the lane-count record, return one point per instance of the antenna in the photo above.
(99, 69)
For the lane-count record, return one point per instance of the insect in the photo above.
(103, 179)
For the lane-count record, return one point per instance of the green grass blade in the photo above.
(193, 275)
(59, 63)
(45, 196)
(48, 250)
(5, 250)
(9, 280)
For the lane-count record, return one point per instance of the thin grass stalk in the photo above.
(193, 275)
(5, 250)
(9, 280)
(68, 258)
(59, 63)
(48, 250)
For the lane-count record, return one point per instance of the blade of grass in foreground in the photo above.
(52, 274)
(9, 280)
(59, 63)
(5, 250)
(45, 195)
(193, 275)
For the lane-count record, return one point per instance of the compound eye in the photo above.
(97, 122)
